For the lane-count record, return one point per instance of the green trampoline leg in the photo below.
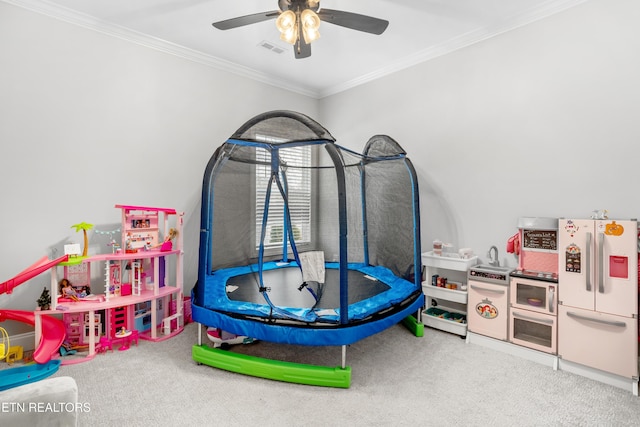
(272, 369)
(414, 326)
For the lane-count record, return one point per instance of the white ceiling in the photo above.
(418, 30)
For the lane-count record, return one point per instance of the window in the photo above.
(298, 161)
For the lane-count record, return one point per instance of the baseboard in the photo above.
(628, 384)
(542, 358)
(27, 340)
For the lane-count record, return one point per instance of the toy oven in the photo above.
(533, 330)
(533, 320)
(539, 296)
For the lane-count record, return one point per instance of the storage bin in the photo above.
(456, 317)
(436, 312)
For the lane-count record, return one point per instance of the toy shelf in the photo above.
(447, 323)
(445, 294)
(448, 261)
(143, 254)
(97, 302)
(452, 303)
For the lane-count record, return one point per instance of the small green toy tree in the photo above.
(44, 302)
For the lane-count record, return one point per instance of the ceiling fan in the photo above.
(299, 20)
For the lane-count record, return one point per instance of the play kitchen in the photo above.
(533, 315)
(573, 295)
(520, 305)
(488, 300)
(598, 314)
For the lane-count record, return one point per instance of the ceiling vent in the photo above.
(271, 46)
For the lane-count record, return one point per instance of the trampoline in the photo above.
(305, 242)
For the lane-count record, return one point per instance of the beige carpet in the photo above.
(397, 380)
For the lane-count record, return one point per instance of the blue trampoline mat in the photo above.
(371, 289)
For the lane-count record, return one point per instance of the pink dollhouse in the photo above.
(142, 281)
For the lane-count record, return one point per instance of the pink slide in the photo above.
(53, 332)
(40, 266)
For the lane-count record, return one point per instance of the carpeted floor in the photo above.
(397, 380)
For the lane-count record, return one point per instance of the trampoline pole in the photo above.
(344, 356)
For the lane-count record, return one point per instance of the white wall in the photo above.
(540, 121)
(88, 121)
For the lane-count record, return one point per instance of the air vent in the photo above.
(271, 46)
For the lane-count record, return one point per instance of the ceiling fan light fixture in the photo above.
(310, 24)
(298, 22)
(287, 25)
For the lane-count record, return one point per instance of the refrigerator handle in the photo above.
(601, 263)
(588, 262)
(615, 323)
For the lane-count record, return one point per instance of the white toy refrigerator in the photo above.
(598, 294)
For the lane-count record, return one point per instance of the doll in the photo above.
(67, 291)
(167, 245)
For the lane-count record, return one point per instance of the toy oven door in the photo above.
(533, 330)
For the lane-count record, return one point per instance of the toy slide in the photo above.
(39, 267)
(53, 332)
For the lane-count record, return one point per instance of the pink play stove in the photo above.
(533, 293)
(538, 247)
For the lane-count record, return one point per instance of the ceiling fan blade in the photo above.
(354, 21)
(241, 21)
(301, 49)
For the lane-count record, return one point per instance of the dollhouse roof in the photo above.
(146, 208)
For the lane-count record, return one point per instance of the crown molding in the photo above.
(549, 8)
(73, 17)
(44, 7)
